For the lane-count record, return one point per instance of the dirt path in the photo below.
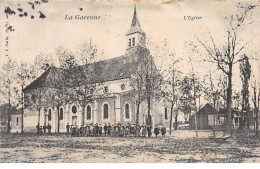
(177, 148)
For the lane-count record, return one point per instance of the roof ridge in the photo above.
(44, 73)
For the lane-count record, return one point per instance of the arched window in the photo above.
(165, 113)
(129, 44)
(17, 121)
(127, 111)
(105, 89)
(88, 112)
(49, 115)
(61, 113)
(133, 41)
(105, 109)
(74, 109)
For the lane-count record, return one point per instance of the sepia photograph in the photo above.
(134, 81)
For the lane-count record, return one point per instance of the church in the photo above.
(113, 103)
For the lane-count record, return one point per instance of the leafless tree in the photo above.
(137, 80)
(23, 75)
(171, 82)
(227, 54)
(40, 64)
(83, 89)
(8, 91)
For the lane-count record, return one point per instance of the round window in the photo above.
(74, 109)
(123, 86)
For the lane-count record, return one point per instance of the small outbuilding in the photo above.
(206, 117)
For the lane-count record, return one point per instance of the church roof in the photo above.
(135, 25)
(40, 81)
(107, 70)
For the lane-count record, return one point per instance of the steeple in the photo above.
(135, 25)
(135, 35)
(135, 21)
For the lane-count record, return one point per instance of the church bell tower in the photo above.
(135, 36)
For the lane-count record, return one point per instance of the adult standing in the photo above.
(44, 128)
(163, 131)
(38, 128)
(49, 128)
(143, 131)
(127, 130)
(96, 129)
(105, 129)
(91, 128)
(100, 130)
(137, 130)
(109, 129)
(81, 130)
(149, 130)
(156, 131)
(68, 128)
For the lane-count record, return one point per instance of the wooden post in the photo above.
(195, 107)
(22, 110)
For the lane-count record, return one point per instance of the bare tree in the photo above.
(171, 83)
(84, 90)
(88, 52)
(186, 97)
(23, 76)
(137, 80)
(146, 80)
(222, 93)
(36, 101)
(40, 64)
(59, 88)
(228, 53)
(152, 80)
(7, 90)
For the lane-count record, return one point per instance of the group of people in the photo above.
(114, 130)
(43, 129)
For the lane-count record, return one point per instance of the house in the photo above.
(15, 116)
(238, 118)
(113, 100)
(207, 114)
(206, 117)
(4, 118)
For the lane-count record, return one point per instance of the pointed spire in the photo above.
(135, 21)
(135, 25)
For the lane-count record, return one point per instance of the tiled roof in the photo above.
(107, 70)
(4, 109)
(208, 109)
(39, 82)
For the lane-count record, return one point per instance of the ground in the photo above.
(182, 146)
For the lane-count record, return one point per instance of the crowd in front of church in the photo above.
(114, 130)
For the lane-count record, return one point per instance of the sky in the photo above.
(158, 20)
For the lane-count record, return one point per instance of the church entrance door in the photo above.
(74, 120)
